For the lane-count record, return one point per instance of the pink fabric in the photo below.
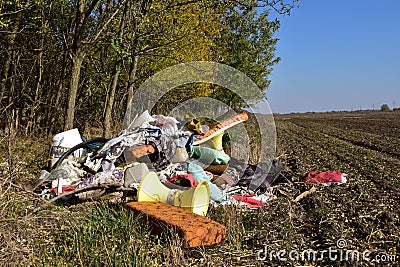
(324, 177)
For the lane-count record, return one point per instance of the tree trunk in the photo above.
(55, 108)
(111, 97)
(110, 104)
(4, 76)
(38, 91)
(131, 90)
(7, 63)
(10, 54)
(13, 100)
(77, 61)
(144, 9)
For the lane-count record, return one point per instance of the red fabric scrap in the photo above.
(324, 177)
(188, 177)
(64, 189)
(249, 200)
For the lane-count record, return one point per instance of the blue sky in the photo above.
(337, 55)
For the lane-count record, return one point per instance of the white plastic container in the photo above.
(62, 142)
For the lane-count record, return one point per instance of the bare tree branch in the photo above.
(106, 23)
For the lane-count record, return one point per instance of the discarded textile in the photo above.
(254, 177)
(181, 155)
(66, 174)
(113, 177)
(223, 181)
(209, 156)
(228, 179)
(327, 178)
(233, 174)
(172, 170)
(151, 131)
(182, 180)
(141, 121)
(182, 141)
(238, 195)
(168, 125)
(200, 175)
(252, 200)
(63, 190)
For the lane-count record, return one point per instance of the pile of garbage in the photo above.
(155, 160)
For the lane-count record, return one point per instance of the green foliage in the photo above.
(115, 44)
(42, 37)
(249, 45)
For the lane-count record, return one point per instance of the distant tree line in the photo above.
(76, 63)
(385, 107)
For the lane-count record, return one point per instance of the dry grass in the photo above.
(364, 211)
